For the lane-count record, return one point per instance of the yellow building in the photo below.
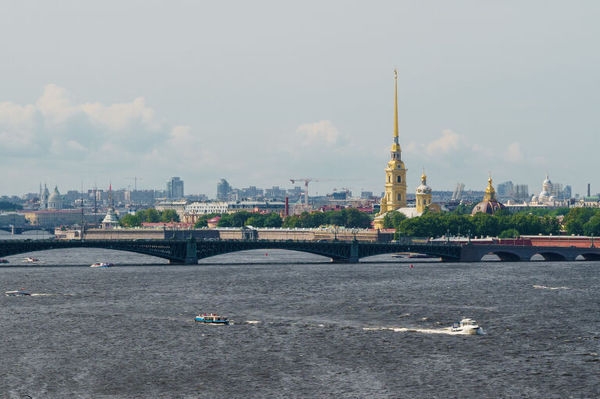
(395, 173)
(423, 195)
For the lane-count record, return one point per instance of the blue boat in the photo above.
(211, 318)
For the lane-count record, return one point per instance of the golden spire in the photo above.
(395, 105)
(396, 150)
(490, 193)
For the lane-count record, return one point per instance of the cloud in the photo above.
(318, 133)
(513, 153)
(122, 117)
(449, 142)
(17, 126)
(55, 106)
(55, 125)
(65, 137)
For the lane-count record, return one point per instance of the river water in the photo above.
(301, 328)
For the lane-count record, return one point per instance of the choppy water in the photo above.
(300, 330)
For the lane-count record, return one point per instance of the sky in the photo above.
(130, 93)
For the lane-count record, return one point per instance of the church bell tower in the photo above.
(395, 172)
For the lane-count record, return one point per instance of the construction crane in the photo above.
(135, 179)
(306, 180)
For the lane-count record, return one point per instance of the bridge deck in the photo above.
(190, 251)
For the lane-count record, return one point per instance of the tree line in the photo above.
(150, 215)
(348, 217)
(503, 224)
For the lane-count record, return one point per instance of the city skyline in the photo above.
(263, 93)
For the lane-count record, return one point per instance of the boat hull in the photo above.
(17, 293)
(200, 319)
(102, 265)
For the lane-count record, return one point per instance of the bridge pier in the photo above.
(353, 252)
(191, 252)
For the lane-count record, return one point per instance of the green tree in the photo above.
(592, 226)
(291, 222)
(129, 220)
(273, 220)
(510, 233)
(392, 220)
(9, 206)
(255, 220)
(168, 215)
(576, 218)
(356, 219)
(485, 225)
(150, 215)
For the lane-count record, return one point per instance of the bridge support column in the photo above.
(191, 252)
(353, 252)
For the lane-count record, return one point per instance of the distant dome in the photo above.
(490, 204)
(55, 200)
(423, 188)
(489, 207)
(546, 190)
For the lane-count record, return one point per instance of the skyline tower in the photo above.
(394, 196)
(175, 188)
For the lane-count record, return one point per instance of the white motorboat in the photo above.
(17, 293)
(467, 326)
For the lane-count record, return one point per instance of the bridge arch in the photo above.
(552, 256)
(507, 256)
(590, 256)
(83, 256)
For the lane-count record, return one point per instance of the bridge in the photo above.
(12, 229)
(190, 251)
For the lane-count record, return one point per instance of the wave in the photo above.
(446, 330)
(543, 287)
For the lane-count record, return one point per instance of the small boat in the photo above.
(17, 293)
(467, 326)
(211, 318)
(102, 264)
(413, 255)
(31, 259)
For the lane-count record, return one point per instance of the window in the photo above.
(399, 179)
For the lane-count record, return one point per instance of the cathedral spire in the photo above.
(396, 106)
(396, 151)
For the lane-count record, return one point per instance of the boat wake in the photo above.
(543, 287)
(445, 331)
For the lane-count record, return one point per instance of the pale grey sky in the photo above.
(258, 92)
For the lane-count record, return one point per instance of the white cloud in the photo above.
(17, 125)
(185, 148)
(55, 105)
(91, 138)
(123, 116)
(318, 133)
(450, 141)
(513, 153)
